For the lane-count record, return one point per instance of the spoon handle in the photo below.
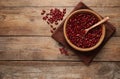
(100, 22)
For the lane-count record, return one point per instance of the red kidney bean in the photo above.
(76, 26)
(53, 16)
(63, 51)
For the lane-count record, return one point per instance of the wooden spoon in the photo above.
(95, 25)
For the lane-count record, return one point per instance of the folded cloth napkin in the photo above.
(87, 57)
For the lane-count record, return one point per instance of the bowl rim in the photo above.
(84, 49)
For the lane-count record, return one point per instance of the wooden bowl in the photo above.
(79, 48)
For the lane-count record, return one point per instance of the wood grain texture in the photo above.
(28, 21)
(32, 54)
(45, 48)
(58, 3)
(58, 70)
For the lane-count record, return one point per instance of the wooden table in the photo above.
(28, 52)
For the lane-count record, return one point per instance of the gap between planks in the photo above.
(53, 61)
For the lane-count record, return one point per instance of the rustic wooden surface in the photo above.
(28, 52)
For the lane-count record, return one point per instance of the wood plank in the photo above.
(45, 48)
(96, 3)
(58, 70)
(28, 21)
